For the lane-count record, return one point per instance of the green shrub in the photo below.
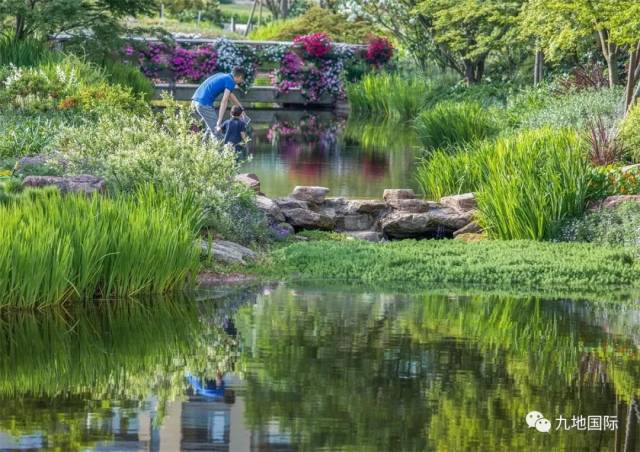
(315, 20)
(22, 135)
(449, 124)
(630, 134)
(617, 226)
(55, 249)
(610, 180)
(129, 76)
(533, 182)
(574, 109)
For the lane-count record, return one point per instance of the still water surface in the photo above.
(280, 368)
(353, 158)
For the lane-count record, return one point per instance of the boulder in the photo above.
(282, 230)
(356, 222)
(413, 205)
(471, 228)
(227, 252)
(314, 195)
(290, 203)
(70, 184)
(370, 206)
(464, 202)
(307, 219)
(249, 180)
(628, 168)
(434, 223)
(613, 201)
(369, 236)
(391, 194)
(270, 209)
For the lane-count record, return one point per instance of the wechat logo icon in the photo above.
(536, 420)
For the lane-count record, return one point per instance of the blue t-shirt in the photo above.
(233, 129)
(212, 87)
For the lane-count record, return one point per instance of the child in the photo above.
(235, 129)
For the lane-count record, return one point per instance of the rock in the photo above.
(282, 230)
(613, 201)
(369, 236)
(270, 209)
(227, 252)
(71, 184)
(249, 180)
(290, 203)
(357, 222)
(471, 228)
(628, 168)
(465, 202)
(307, 219)
(434, 223)
(413, 205)
(313, 195)
(391, 194)
(471, 237)
(370, 206)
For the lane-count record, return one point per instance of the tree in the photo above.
(457, 34)
(41, 18)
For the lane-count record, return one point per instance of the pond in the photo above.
(278, 367)
(356, 159)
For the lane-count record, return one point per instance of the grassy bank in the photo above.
(509, 265)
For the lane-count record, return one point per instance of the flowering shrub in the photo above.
(316, 45)
(379, 51)
(608, 181)
(314, 65)
(159, 60)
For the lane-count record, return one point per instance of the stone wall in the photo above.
(398, 215)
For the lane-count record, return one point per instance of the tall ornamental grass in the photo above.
(388, 96)
(24, 52)
(527, 184)
(55, 249)
(453, 123)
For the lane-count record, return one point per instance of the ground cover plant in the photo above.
(488, 264)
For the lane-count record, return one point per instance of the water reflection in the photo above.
(282, 368)
(355, 159)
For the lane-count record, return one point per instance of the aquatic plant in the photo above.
(449, 124)
(57, 249)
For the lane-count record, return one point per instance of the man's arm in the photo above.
(235, 100)
(223, 106)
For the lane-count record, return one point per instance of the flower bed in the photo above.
(313, 64)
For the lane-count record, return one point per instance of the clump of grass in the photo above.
(56, 249)
(24, 52)
(527, 184)
(452, 123)
(388, 95)
(490, 264)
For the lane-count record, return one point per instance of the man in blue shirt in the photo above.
(207, 93)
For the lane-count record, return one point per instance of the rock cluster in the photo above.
(398, 215)
(85, 183)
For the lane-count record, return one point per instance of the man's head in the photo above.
(236, 111)
(239, 74)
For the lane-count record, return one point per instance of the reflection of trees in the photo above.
(442, 373)
(58, 366)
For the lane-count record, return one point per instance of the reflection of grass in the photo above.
(381, 136)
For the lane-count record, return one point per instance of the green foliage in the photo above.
(527, 184)
(574, 109)
(449, 124)
(129, 76)
(388, 95)
(57, 249)
(630, 134)
(315, 20)
(610, 181)
(616, 226)
(489, 264)
(26, 52)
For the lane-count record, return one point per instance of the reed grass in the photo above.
(452, 123)
(56, 249)
(25, 52)
(528, 184)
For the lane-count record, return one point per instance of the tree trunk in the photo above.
(630, 431)
(538, 67)
(633, 77)
(610, 53)
(20, 32)
(285, 9)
